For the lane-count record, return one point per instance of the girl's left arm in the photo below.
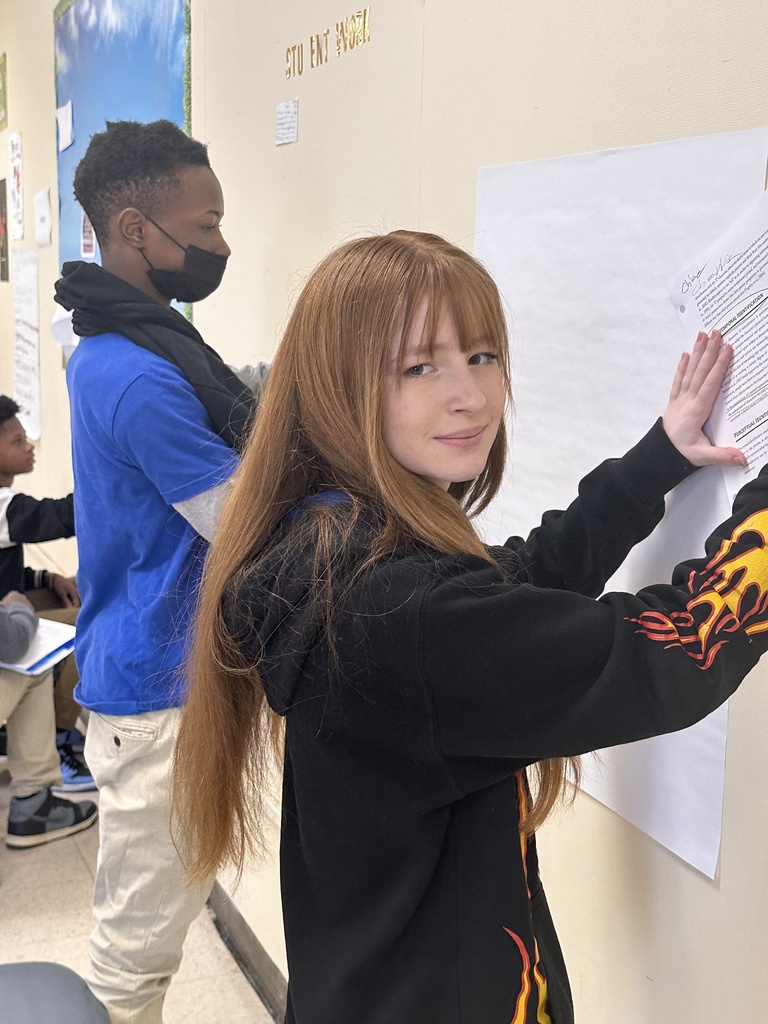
(618, 505)
(523, 672)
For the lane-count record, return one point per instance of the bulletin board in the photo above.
(115, 60)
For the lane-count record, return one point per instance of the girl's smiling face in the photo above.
(442, 404)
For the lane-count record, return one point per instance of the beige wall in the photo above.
(391, 134)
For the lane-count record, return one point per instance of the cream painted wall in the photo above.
(390, 135)
(355, 169)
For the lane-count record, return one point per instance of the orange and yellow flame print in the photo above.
(731, 593)
(521, 1006)
(540, 982)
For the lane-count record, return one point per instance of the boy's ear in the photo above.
(131, 227)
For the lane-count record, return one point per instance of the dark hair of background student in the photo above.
(133, 165)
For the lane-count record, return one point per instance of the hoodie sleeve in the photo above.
(527, 672)
(27, 520)
(619, 504)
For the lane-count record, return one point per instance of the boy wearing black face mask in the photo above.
(157, 419)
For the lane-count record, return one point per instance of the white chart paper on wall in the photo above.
(584, 249)
(26, 342)
(16, 198)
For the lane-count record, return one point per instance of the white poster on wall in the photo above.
(16, 203)
(584, 249)
(26, 329)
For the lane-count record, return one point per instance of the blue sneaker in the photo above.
(75, 776)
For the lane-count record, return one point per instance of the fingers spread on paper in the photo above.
(696, 385)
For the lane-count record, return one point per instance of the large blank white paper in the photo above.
(584, 249)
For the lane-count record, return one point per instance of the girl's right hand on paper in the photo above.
(698, 379)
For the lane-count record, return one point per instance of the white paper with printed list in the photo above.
(726, 289)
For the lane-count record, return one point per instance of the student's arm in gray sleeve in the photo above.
(202, 511)
(254, 377)
(18, 625)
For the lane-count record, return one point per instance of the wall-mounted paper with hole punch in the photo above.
(66, 126)
(726, 289)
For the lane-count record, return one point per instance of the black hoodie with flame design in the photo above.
(409, 895)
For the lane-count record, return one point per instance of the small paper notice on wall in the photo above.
(42, 207)
(63, 332)
(287, 122)
(17, 187)
(65, 122)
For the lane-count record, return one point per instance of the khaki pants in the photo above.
(26, 703)
(142, 905)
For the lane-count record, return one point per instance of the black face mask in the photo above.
(199, 276)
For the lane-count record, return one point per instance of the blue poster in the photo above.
(116, 60)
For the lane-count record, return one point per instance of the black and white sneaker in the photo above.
(43, 817)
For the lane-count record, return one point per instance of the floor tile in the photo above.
(231, 1001)
(45, 909)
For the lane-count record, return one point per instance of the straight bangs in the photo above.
(466, 292)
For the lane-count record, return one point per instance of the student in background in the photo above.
(422, 676)
(36, 814)
(28, 520)
(156, 420)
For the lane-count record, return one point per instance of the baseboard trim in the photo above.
(253, 960)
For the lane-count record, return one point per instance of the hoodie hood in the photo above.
(277, 609)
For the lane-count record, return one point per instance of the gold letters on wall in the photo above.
(352, 32)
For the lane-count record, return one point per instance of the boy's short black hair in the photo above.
(8, 409)
(133, 164)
